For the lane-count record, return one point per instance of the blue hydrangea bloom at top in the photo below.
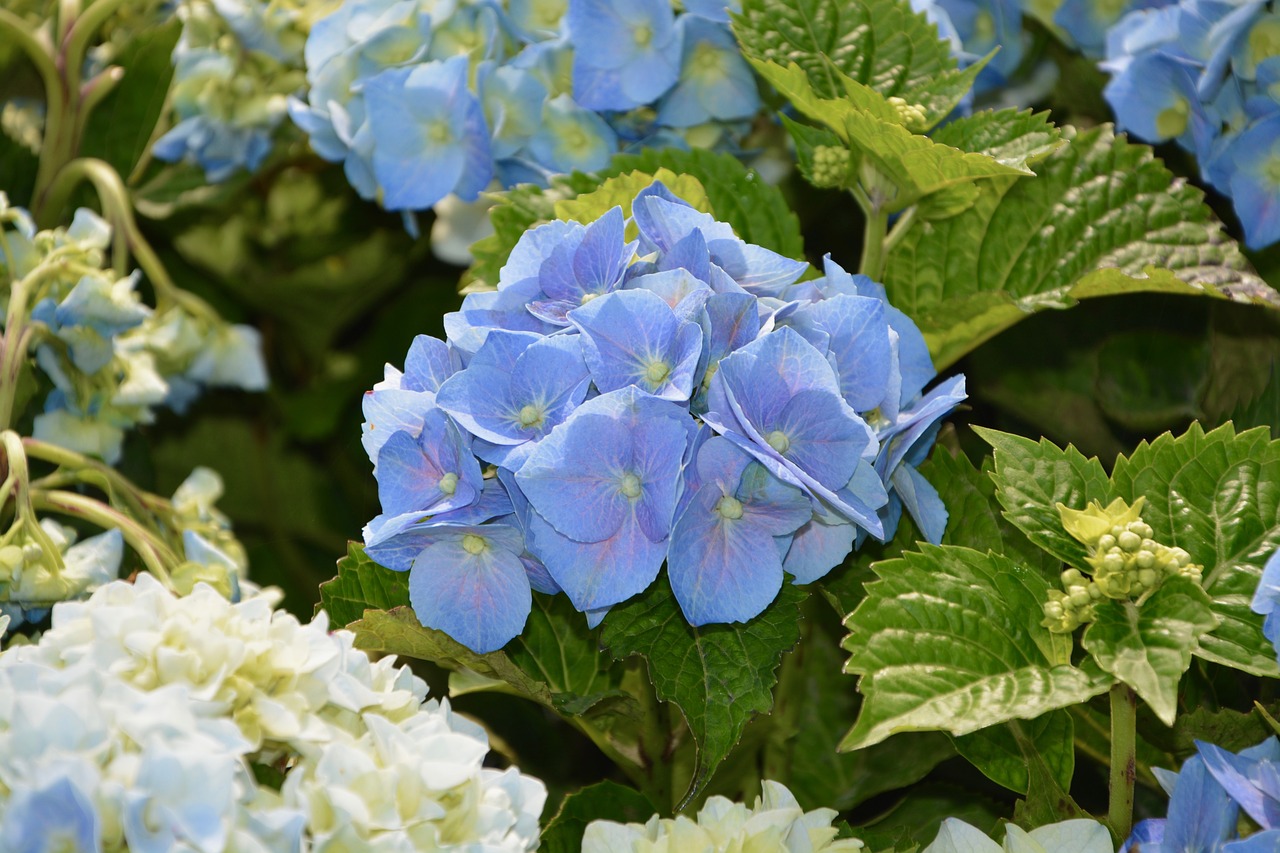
(681, 398)
(1205, 73)
(424, 99)
(1206, 798)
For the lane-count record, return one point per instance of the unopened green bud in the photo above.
(1129, 541)
(1071, 577)
(1106, 542)
(1147, 578)
(1090, 524)
(830, 166)
(1145, 559)
(1079, 596)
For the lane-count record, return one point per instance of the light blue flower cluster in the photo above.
(234, 68)
(111, 358)
(600, 414)
(974, 28)
(1207, 74)
(421, 99)
(1205, 800)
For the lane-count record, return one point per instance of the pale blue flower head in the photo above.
(59, 815)
(1248, 166)
(512, 101)
(572, 138)
(430, 137)
(430, 473)
(626, 52)
(586, 263)
(401, 400)
(1086, 22)
(715, 81)
(1266, 599)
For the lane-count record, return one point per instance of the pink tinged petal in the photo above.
(429, 363)
(598, 574)
(721, 570)
(472, 589)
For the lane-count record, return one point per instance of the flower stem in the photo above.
(13, 349)
(17, 472)
(655, 747)
(157, 555)
(1124, 752)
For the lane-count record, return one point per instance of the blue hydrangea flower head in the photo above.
(430, 135)
(626, 52)
(691, 404)
(715, 81)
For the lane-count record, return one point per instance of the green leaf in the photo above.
(1264, 409)
(1216, 495)
(361, 585)
(879, 43)
(1033, 477)
(1047, 801)
(997, 753)
(398, 632)
(1149, 646)
(757, 210)
(719, 676)
(948, 640)
(1103, 217)
(1133, 392)
(557, 647)
(917, 818)
(812, 712)
(1016, 139)
(120, 127)
(1229, 729)
(601, 801)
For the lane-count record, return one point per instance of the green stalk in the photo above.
(82, 469)
(24, 502)
(13, 350)
(873, 239)
(655, 747)
(1124, 759)
(155, 553)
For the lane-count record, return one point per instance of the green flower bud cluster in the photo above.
(830, 166)
(32, 577)
(912, 115)
(1125, 563)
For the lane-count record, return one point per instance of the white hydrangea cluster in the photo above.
(777, 823)
(138, 720)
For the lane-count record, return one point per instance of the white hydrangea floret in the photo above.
(777, 822)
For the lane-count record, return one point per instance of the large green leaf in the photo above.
(719, 676)
(757, 210)
(1216, 495)
(601, 801)
(120, 127)
(998, 753)
(1103, 217)
(947, 640)
(361, 585)
(879, 43)
(1148, 647)
(1033, 477)
(1014, 138)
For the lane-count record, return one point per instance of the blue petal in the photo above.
(1201, 814)
(479, 599)
(1260, 842)
(598, 574)
(859, 345)
(429, 363)
(1240, 776)
(1149, 831)
(411, 471)
(722, 570)
(817, 548)
(922, 501)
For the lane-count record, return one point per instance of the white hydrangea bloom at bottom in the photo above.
(777, 823)
(137, 719)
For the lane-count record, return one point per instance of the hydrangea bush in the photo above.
(822, 450)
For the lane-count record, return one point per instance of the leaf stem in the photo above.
(873, 243)
(155, 553)
(1124, 759)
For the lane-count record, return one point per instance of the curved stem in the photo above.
(154, 553)
(1124, 754)
(76, 45)
(16, 461)
(138, 502)
(873, 240)
(13, 350)
(36, 52)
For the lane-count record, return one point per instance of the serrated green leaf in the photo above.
(1148, 647)
(621, 190)
(120, 127)
(601, 801)
(1047, 801)
(398, 632)
(361, 585)
(1232, 730)
(1103, 217)
(1264, 409)
(719, 676)
(1216, 495)
(1032, 478)
(943, 642)
(879, 43)
(757, 210)
(1014, 138)
(557, 647)
(997, 753)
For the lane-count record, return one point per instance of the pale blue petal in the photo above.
(1240, 776)
(1201, 814)
(858, 342)
(721, 570)
(598, 574)
(817, 548)
(481, 600)
(921, 500)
